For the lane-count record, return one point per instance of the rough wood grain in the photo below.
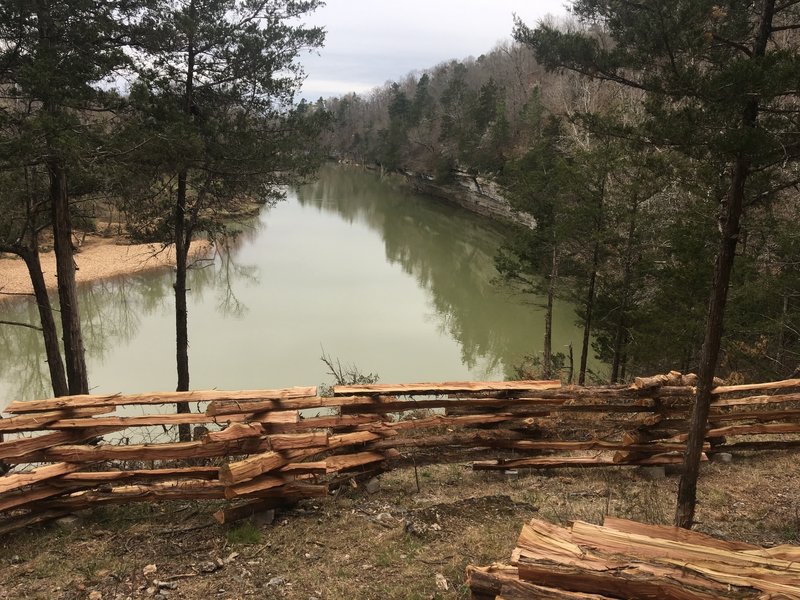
(81, 401)
(760, 429)
(251, 467)
(343, 462)
(255, 485)
(448, 387)
(317, 439)
(675, 534)
(35, 496)
(552, 462)
(38, 421)
(232, 407)
(234, 431)
(142, 452)
(756, 400)
(100, 477)
(143, 421)
(752, 387)
(15, 481)
(21, 450)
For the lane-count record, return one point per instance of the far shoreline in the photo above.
(99, 258)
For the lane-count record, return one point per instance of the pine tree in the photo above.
(720, 86)
(56, 115)
(214, 100)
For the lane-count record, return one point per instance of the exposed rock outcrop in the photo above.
(474, 193)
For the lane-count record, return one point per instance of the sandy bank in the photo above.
(99, 258)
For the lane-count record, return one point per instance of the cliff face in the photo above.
(476, 194)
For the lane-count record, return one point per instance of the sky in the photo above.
(370, 42)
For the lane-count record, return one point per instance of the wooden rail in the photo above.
(266, 448)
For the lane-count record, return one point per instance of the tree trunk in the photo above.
(78, 380)
(687, 490)
(571, 372)
(548, 318)
(779, 353)
(182, 240)
(621, 336)
(58, 378)
(619, 343)
(587, 323)
(181, 312)
(67, 288)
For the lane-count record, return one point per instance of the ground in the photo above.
(98, 258)
(395, 543)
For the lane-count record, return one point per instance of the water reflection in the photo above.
(22, 356)
(450, 253)
(112, 314)
(396, 283)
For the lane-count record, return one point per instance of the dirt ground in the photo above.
(395, 543)
(99, 258)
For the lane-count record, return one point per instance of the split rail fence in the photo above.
(265, 449)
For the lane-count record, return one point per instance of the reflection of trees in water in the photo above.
(448, 251)
(226, 272)
(111, 313)
(22, 352)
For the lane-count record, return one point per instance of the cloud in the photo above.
(369, 42)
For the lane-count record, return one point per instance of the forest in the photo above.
(175, 114)
(655, 145)
(621, 149)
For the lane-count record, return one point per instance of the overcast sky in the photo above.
(369, 42)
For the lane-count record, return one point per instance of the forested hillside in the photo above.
(628, 215)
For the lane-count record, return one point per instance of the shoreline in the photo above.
(99, 258)
(477, 194)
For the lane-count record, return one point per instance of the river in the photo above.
(396, 283)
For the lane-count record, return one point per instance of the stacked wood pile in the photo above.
(268, 448)
(625, 559)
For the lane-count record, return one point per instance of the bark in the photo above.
(587, 323)
(182, 239)
(181, 312)
(687, 491)
(779, 356)
(74, 353)
(620, 338)
(548, 318)
(55, 364)
(590, 293)
(571, 358)
(78, 381)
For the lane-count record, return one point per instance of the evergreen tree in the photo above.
(214, 100)
(720, 84)
(56, 116)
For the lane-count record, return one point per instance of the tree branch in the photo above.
(732, 44)
(786, 5)
(17, 324)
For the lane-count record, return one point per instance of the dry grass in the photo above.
(388, 545)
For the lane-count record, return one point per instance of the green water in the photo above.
(396, 283)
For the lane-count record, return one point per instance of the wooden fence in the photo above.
(268, 448)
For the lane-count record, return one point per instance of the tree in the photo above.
(538, 182)
(24, 207)
(720, 85)
(53, 58)
(214, 93)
